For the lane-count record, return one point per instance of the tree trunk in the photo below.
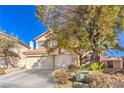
(59, 50)
(80, 59)
(95, 57)
(80, 56)
(11, 61)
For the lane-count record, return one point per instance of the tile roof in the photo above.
(47, 33)
(36, 51)
(112, 58)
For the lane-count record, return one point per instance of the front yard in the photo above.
(91, 77)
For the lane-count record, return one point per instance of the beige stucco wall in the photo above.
(117, 65)
(22, 49)
(121, 64)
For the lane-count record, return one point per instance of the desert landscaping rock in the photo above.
(101, 80)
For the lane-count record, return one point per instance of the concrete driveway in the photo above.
(33, 78)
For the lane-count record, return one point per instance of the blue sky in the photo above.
(21, 21)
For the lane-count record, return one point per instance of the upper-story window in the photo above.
(40, 44)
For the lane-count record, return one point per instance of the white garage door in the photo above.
(63, 60)
(40, 62)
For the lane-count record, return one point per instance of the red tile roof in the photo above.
(112, 58)
(36, 51)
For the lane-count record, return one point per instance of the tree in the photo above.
(7, 43)
(84, 28)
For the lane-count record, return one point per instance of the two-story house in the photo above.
(40, 58)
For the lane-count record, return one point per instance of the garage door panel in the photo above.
(40, 62)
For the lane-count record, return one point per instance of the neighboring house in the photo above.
(15, 52)
(113, 62)
(109, 62)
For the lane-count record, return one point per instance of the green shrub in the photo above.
(72, 67)
(93, 67)
(81, 68)
(60, 75)
(87, 67)
(96, 67)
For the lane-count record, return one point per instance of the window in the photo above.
(110, 64)
(40, 44)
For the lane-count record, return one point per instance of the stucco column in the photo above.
(36, 45)
(121, 64)
(31, 45)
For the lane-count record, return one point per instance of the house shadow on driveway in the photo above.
(42, 73)
(30, 78)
